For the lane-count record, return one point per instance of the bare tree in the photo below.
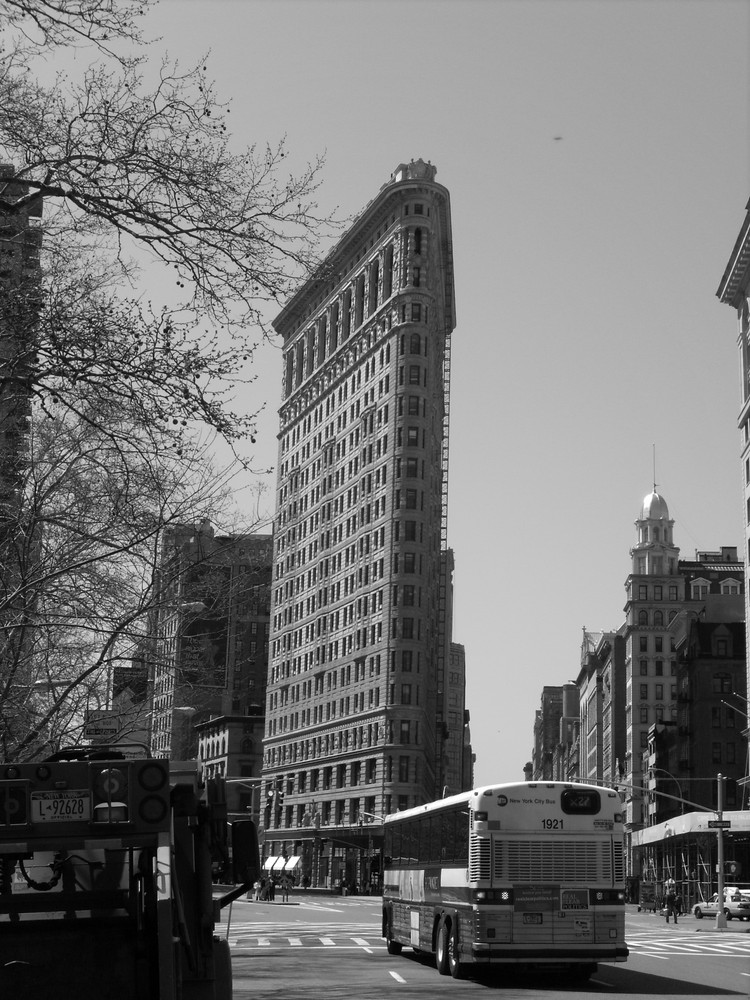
(132, 162)
(102, 395)
(82, 581)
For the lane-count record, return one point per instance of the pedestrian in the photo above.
(284, 888)
(272, 889)
(671, 901)
(257, 889)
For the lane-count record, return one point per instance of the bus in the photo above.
(106, 887)
(528, 874)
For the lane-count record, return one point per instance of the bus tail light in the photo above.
(607, 897)
(502, 897)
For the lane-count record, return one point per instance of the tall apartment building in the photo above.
(601, 688)
(356, 712)
(547, 720)
(20, 245)
(209, 655)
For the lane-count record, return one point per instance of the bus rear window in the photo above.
(575, 802)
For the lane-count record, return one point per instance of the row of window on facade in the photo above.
(350, 584)
(369, 290)
(356, 704)
(402, 732)
(348, 775)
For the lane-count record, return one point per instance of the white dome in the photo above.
(654, 508)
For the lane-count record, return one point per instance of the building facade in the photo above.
(209, 657)
(601, 687)
(356, 723)
(734, 291)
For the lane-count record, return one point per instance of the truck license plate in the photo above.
(54, 807)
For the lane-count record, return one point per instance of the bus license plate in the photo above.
(532, 918)
(55, 807)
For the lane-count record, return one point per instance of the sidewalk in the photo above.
(687, 922)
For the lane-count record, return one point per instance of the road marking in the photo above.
(295, 942)
(329, 942)
(361, 941)
(264, 942)
(399, 979)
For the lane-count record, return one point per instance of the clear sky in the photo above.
(597, 154)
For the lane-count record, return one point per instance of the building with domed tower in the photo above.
(654, 603)
(660, 713)
(680, 634)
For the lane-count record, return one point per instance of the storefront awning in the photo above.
(278, 864)
(270, 862)
(292, 863)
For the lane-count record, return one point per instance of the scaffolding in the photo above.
(685, 849)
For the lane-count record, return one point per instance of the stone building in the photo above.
(357, 719)
(734, 291)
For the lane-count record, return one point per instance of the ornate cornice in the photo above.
(736, 277)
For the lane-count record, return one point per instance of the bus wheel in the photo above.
(391, 946)
(455, 967)
(441, 950)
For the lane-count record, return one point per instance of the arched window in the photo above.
(643, 618)
(658, 617)
(415, 344)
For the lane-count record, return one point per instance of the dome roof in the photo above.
(654, 508)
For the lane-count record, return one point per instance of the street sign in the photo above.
(719, 824)
(101, 724)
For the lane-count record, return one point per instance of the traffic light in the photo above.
(732, 868)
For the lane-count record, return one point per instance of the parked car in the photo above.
(736, 904)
